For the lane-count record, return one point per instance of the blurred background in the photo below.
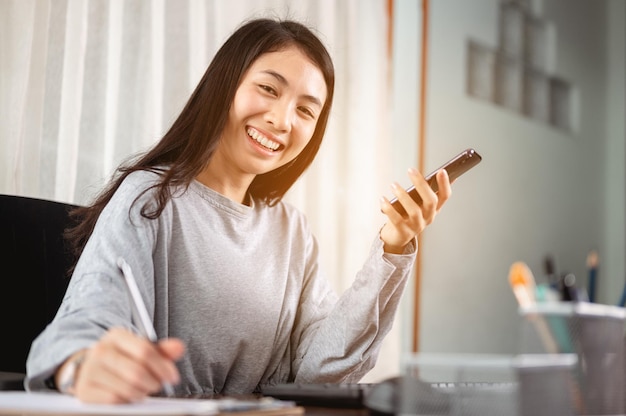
(535, 86)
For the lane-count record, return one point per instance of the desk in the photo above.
(308, 410)
(23, 403)
(319, 411)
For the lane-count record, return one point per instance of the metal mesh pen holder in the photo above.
(458, 385)
(487, 385)
(594, 333)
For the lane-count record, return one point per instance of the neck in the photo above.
(232, 187)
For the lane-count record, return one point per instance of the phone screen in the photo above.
(455, 167)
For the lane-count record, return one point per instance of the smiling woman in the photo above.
(200, 222)
(85, 84)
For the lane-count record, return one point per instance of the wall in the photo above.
(538, 191)
(615, 207)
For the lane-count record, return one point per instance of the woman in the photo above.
(229, 273)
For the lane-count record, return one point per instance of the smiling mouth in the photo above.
(262, 140)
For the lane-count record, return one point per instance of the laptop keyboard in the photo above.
(320, 395)
(353, 395)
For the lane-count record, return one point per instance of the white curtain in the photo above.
(86, 83)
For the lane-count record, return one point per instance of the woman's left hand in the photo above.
(401, 229)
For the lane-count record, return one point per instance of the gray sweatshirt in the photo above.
(240, 285)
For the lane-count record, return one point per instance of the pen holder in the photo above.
(595, 334)
(459, 385)
(487, 385)
(546, 384)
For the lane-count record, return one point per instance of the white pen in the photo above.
(140, 313)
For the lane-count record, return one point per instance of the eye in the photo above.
(307, 111)
(268, 89)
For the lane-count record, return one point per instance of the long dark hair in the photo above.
(192, 139)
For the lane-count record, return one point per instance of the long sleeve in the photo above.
(344, 346)
(96, 298)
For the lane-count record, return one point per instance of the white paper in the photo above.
(56, 403)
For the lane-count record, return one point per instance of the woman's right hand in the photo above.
(124, 367)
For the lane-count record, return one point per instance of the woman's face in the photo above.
(274, 113)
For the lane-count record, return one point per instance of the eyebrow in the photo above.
(284, 81)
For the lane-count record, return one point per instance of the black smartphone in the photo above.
(455, 167)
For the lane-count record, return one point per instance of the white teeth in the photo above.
(264, 141)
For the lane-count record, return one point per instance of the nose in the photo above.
(280, 115)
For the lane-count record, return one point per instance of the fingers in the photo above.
(172, 348)
(402, 228)
(428, 205)
(124, 367)
(427, 208)
(445, 188)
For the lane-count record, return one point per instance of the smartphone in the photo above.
(455, 167)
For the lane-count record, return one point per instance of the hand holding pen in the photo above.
(123, 366)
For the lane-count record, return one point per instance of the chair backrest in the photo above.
(34, 261)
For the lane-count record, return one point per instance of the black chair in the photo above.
(35, 263)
